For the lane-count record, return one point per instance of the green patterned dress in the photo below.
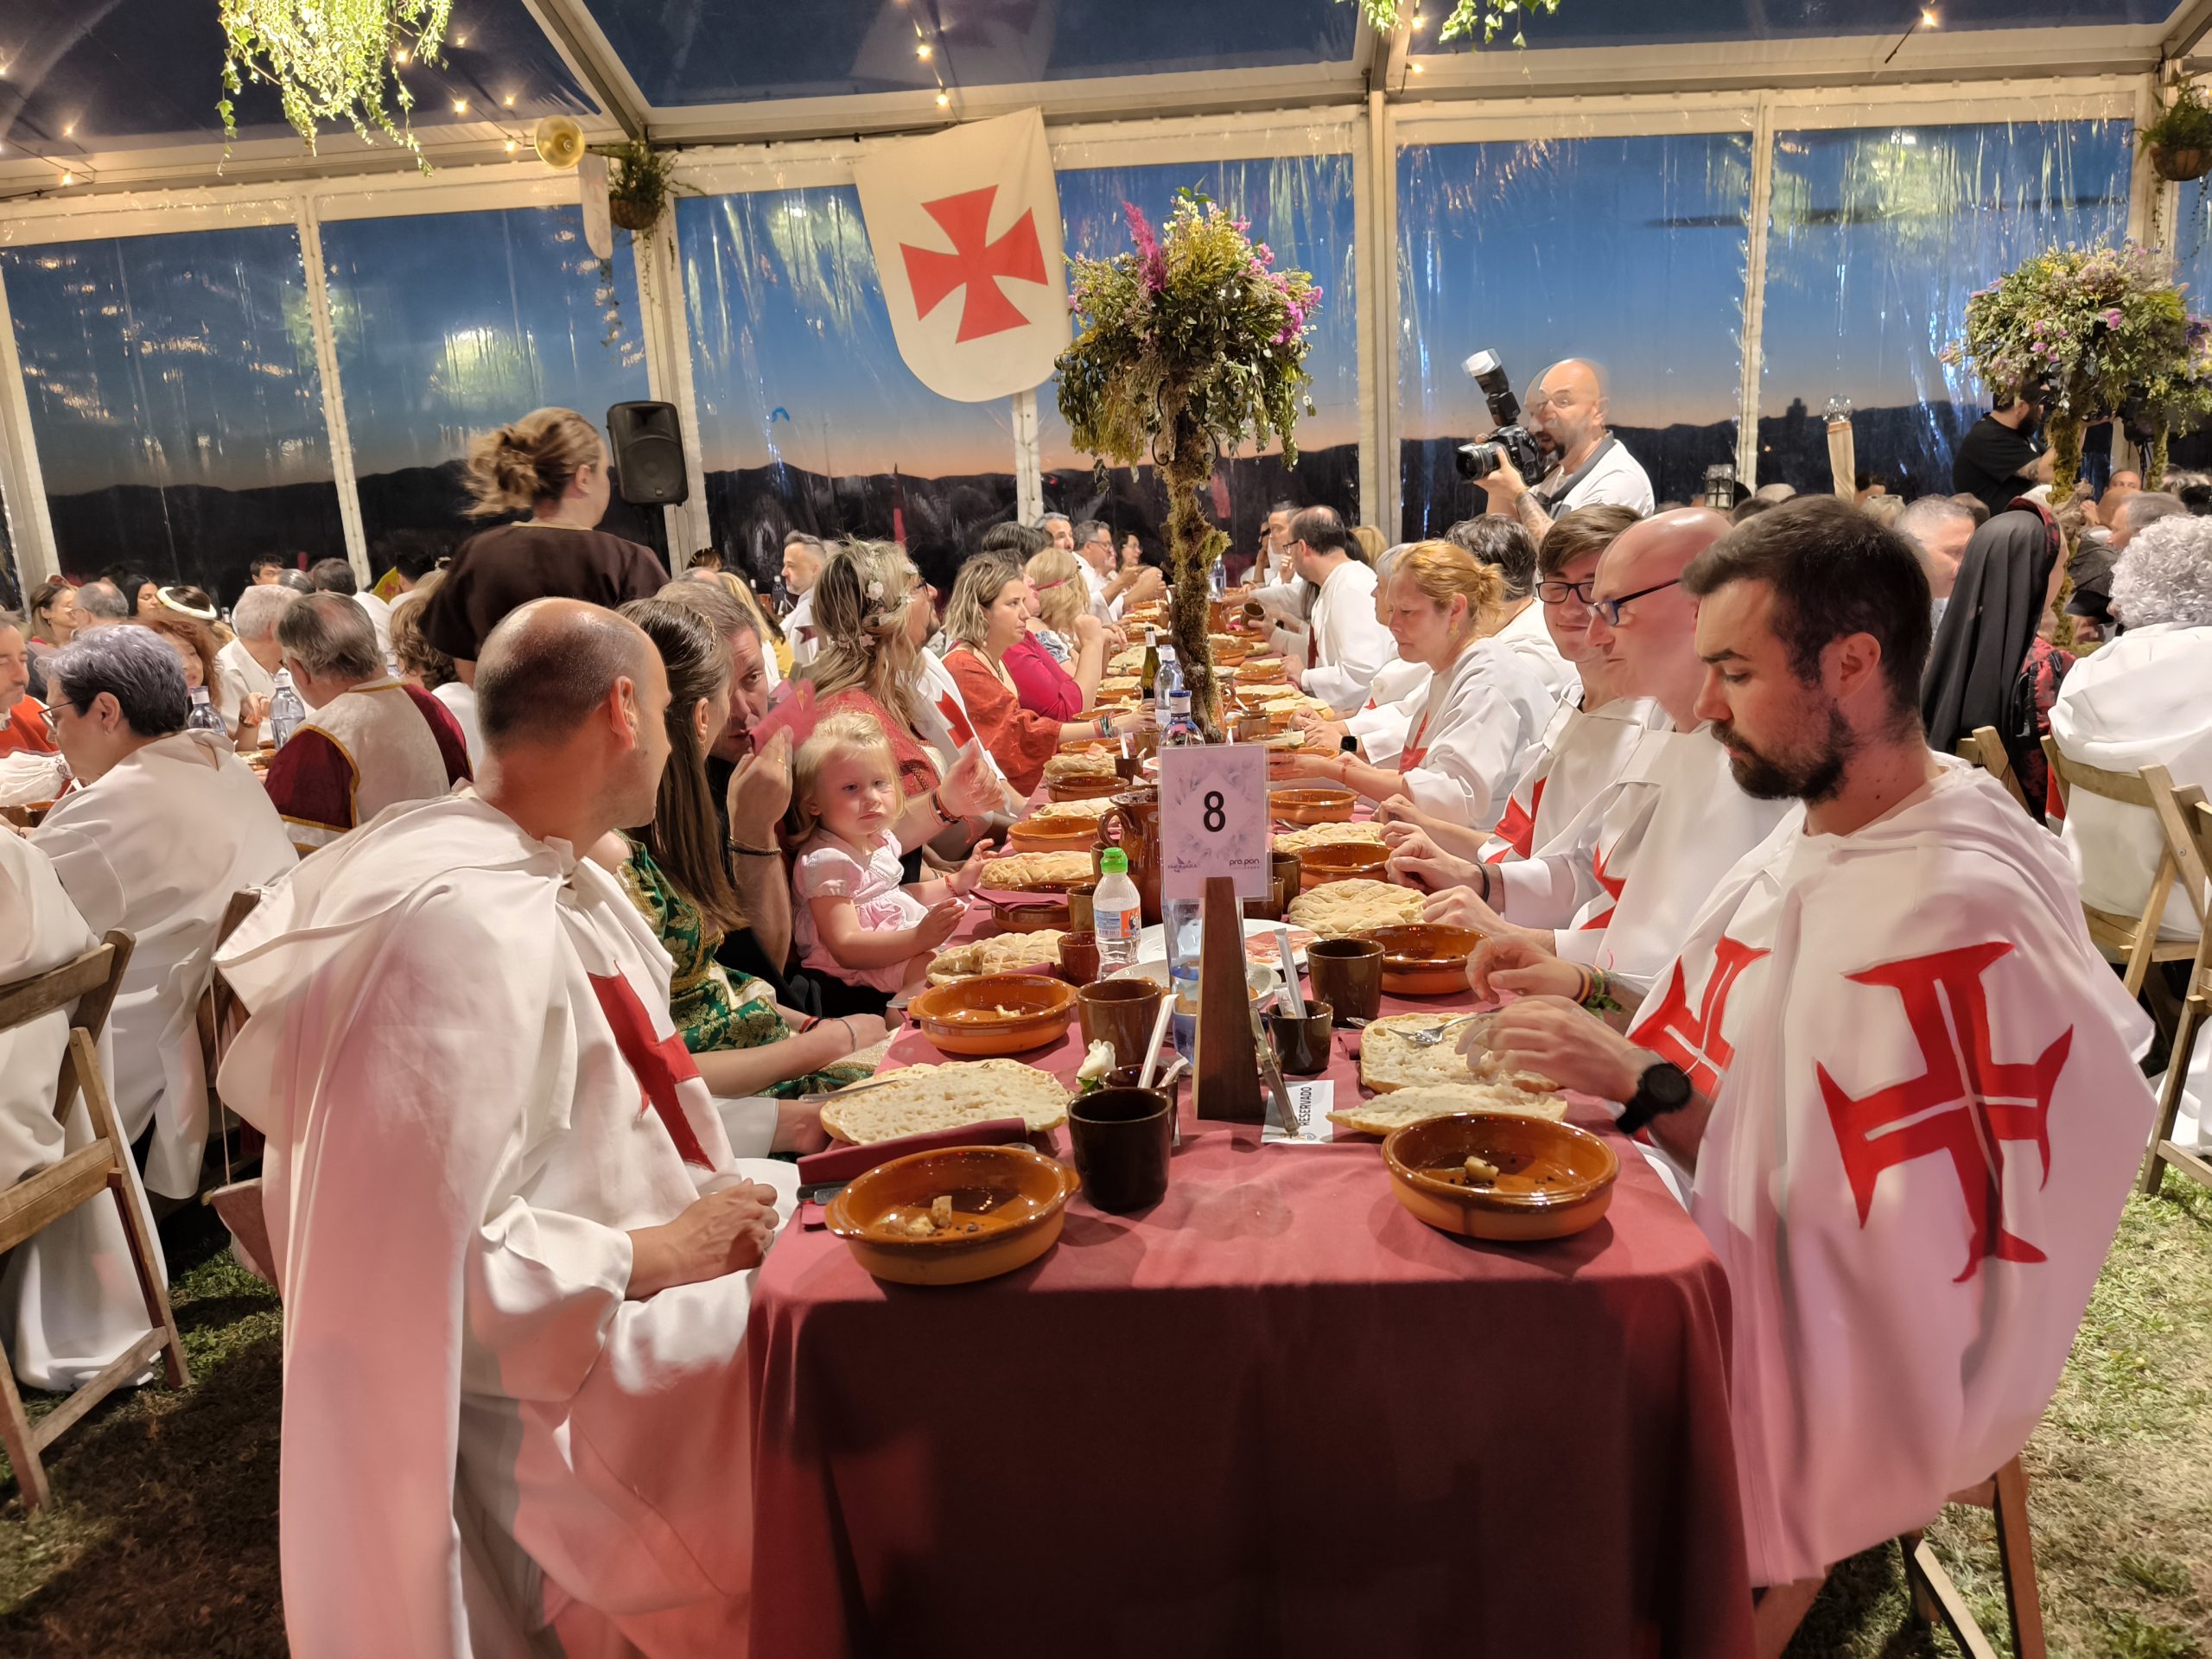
(711, 1012)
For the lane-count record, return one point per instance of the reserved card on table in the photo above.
(1310, 1103)
(1213, 819)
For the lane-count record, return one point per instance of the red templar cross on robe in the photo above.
(1963, 1105)
(976, 262)
(659, 1063)
(1691, 1037)
(1612, 886)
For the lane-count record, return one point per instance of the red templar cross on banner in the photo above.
(974, 264)
(1690, 1038)
(1964, 1104)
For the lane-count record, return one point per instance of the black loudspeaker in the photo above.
(648, 455)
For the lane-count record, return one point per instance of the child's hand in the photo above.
(935, 927)
(963, 880)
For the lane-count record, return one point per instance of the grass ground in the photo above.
(162, 1538)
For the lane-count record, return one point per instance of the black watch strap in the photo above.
(1664, 1087)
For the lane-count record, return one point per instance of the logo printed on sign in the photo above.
(974, 264)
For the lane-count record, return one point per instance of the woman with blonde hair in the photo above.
(986, 621)
(551, 465)
(185, 618)
(1477, 728)
(1074, 639)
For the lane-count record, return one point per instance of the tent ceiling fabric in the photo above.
(81, 76)
(732, 51)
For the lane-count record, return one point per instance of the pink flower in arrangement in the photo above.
(2112, 318)
(1154, 262)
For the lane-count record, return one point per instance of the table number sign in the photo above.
(1213, 819)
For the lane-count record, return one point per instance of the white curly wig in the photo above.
(2165, 575)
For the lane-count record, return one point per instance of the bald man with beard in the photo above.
(516, 1251)
(1567, 415)
(1610, 899)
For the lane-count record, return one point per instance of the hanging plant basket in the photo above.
(2181, 164)
(632, 215)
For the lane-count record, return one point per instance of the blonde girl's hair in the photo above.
(860, 610)
(1442, 571)
(981, 580)
(1062, 593)
(535, 459)
(837, 737)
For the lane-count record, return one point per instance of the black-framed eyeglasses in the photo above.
(1555, 592)
(1608, 610)
(47, 713)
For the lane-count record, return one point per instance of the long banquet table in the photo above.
(1272, 1414)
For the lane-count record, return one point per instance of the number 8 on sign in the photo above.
(1217, 819)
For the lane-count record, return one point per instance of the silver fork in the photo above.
(1430, 1036)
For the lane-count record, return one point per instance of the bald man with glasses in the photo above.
(1568, 416)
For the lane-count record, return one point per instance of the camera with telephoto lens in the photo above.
(1511, 441)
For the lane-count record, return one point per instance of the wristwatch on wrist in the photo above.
(1663, 1087)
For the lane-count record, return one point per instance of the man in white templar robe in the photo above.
(515, 1250)
(1616, 888)
(69, 1302)
(1905, 1080)
(1347, 645)
(167, 825)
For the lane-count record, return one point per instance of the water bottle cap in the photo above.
(1114, 861)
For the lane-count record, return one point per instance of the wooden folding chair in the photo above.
(2188, 820)
(2131, 943)
(1987, 750)
(89, 984)
(1781, 1610)
(237, 1203)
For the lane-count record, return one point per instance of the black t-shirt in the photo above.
(1989, 461)
(508, 565)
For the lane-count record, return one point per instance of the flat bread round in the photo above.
(927, 1099)
(1008, 953)
(1337, 908)
(1318, 834)
(1387, 1112)
(1034, 869)
(1388, 1060)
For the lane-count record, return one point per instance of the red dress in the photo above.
(1041, 684)
(1020, 741)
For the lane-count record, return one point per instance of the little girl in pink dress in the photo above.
(853, 920)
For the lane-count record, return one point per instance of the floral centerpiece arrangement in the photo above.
(1190, 344)
(2102, 332)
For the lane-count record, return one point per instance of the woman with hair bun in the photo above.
(550, 464)
(1476, 730)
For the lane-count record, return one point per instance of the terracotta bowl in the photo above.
(1086, 788)
(1014, 1198)
(1552, 1179)
(1050, 912)
(964, 1017)
(1341, 861)
(1420, 959)
(1056, 836)
(1321, 803)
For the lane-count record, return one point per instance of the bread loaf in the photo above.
(925, 1099)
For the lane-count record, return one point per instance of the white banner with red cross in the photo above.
(965, 226)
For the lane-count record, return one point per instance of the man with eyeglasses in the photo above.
(1566, 417)
(1610, 898)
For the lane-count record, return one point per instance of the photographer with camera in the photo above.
(1564, 445)
(2003, 457)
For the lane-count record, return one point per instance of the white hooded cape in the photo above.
(1581, 754)
(1926, 1114)
(158, 844)
(1622, 881)
(1392, 701)
(70, 1300)
(1474, 734)
(481, 1435)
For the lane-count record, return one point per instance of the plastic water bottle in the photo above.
(1217, 579)
(391, 665)
(1115, 912)
(1171, 682)
(1180, 729)
(286, 712)
(202, 716)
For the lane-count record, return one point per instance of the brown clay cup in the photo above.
(1120, 1012)
(1119, 1138)
(1081, 918)
(1302, 1044)
(1285, 870)
(1346, 973)
(1079, 957)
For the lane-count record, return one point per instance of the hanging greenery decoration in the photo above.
(1491, 18)
(328, 61)
(2094, 329)
(1189, 345)
(639, 181)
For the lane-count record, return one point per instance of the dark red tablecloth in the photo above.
(1274, 1414)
